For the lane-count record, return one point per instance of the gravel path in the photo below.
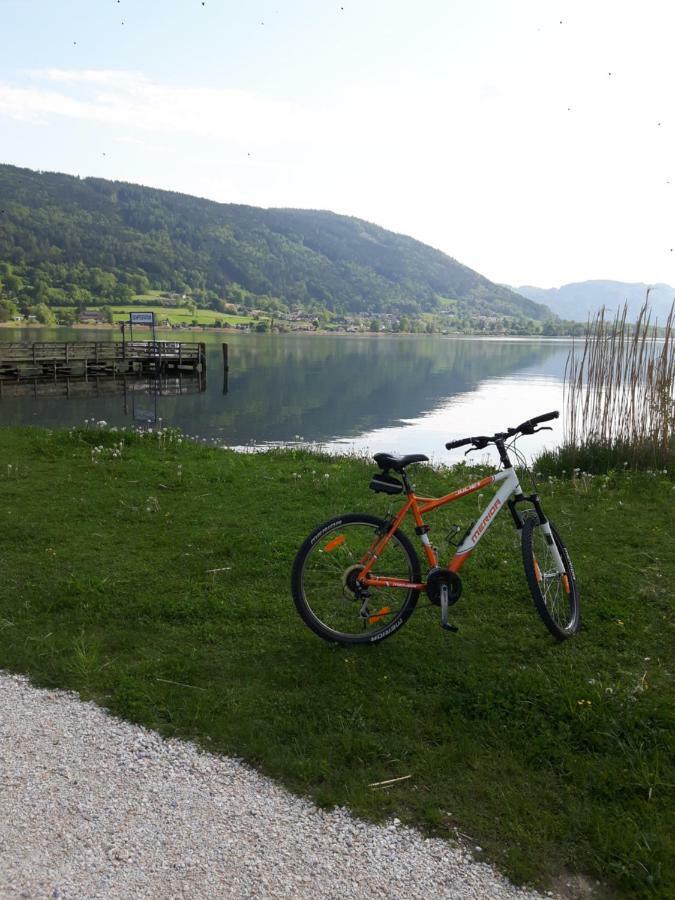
(94, 807)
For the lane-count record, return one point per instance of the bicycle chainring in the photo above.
(436, 578)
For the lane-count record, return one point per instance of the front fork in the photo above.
(544, 524)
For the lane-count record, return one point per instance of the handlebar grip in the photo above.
(545, 417)
(451, 445)
(528, 426)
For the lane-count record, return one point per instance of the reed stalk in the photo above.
(619, 390)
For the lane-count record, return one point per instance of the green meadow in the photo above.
(151, 574)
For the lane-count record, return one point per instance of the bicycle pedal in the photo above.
(446, 626)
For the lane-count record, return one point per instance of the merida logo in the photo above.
(486, 519)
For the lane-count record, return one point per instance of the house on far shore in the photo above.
(91, 316)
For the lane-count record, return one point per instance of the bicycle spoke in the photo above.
(330, 579)
(550, 581)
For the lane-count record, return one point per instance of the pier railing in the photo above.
(100, 351)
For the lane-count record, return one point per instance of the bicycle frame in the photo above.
(420, 505)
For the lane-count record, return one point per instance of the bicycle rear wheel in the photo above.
(325, 584)
(556, 596)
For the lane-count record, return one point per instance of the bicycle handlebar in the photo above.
(481, 440)
(525, 427)
(461, 443)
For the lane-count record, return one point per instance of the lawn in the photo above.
(152, 575)
(178, 315)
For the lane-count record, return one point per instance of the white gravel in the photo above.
(91, 806)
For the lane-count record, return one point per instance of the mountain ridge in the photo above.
(60, 232)
(579, 299)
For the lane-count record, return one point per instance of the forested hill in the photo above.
(64, 239)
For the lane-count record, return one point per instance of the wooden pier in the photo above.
(47, 361)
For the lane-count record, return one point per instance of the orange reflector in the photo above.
(537, 570)
(566, 582)
(331, 545)
(380, 614)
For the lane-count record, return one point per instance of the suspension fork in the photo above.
(544, 524)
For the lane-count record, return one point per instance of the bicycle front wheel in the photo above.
(325, 584)
(555, 595)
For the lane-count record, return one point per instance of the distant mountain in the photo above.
(68, 239)
(576, 301)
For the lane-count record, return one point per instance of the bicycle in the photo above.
(356, 578)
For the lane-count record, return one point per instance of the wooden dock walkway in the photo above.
(50, 361)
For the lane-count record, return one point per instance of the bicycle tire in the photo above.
(324, 569)
(556, 602)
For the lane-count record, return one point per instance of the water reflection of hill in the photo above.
(319, 387)
(323, 388)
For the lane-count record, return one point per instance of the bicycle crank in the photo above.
(444, 588)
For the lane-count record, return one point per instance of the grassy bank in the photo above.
(178, 315)
(152, 575)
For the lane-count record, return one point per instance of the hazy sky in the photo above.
(531, 140)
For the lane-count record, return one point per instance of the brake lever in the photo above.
(475, 447)
(543, 428)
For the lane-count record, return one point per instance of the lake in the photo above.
(348, 393)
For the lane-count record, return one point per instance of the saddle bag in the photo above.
(385, 484)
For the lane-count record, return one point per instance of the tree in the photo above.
(122, 293)
(43, 314)
(8, 309)
(66, 317)
(140, 284)
(13, 283)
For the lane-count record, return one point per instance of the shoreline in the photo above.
(198, 329)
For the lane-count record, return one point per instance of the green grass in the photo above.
(178, 315)
(602, 458)
(149, 296)
(157, 583)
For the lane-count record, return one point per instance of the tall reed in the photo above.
(620, 390)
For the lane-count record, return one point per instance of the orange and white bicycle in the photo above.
(357, 578)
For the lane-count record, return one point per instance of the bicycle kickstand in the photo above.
(444, 611)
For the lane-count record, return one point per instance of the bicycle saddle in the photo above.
(398, 463)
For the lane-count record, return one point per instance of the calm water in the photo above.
(401, 394)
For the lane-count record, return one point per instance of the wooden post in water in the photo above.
(201, 364)
(226, 368)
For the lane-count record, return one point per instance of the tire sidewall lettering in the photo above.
(383, 634)
(325, 530)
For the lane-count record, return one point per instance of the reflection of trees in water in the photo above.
(322, 387)
(319, 387)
